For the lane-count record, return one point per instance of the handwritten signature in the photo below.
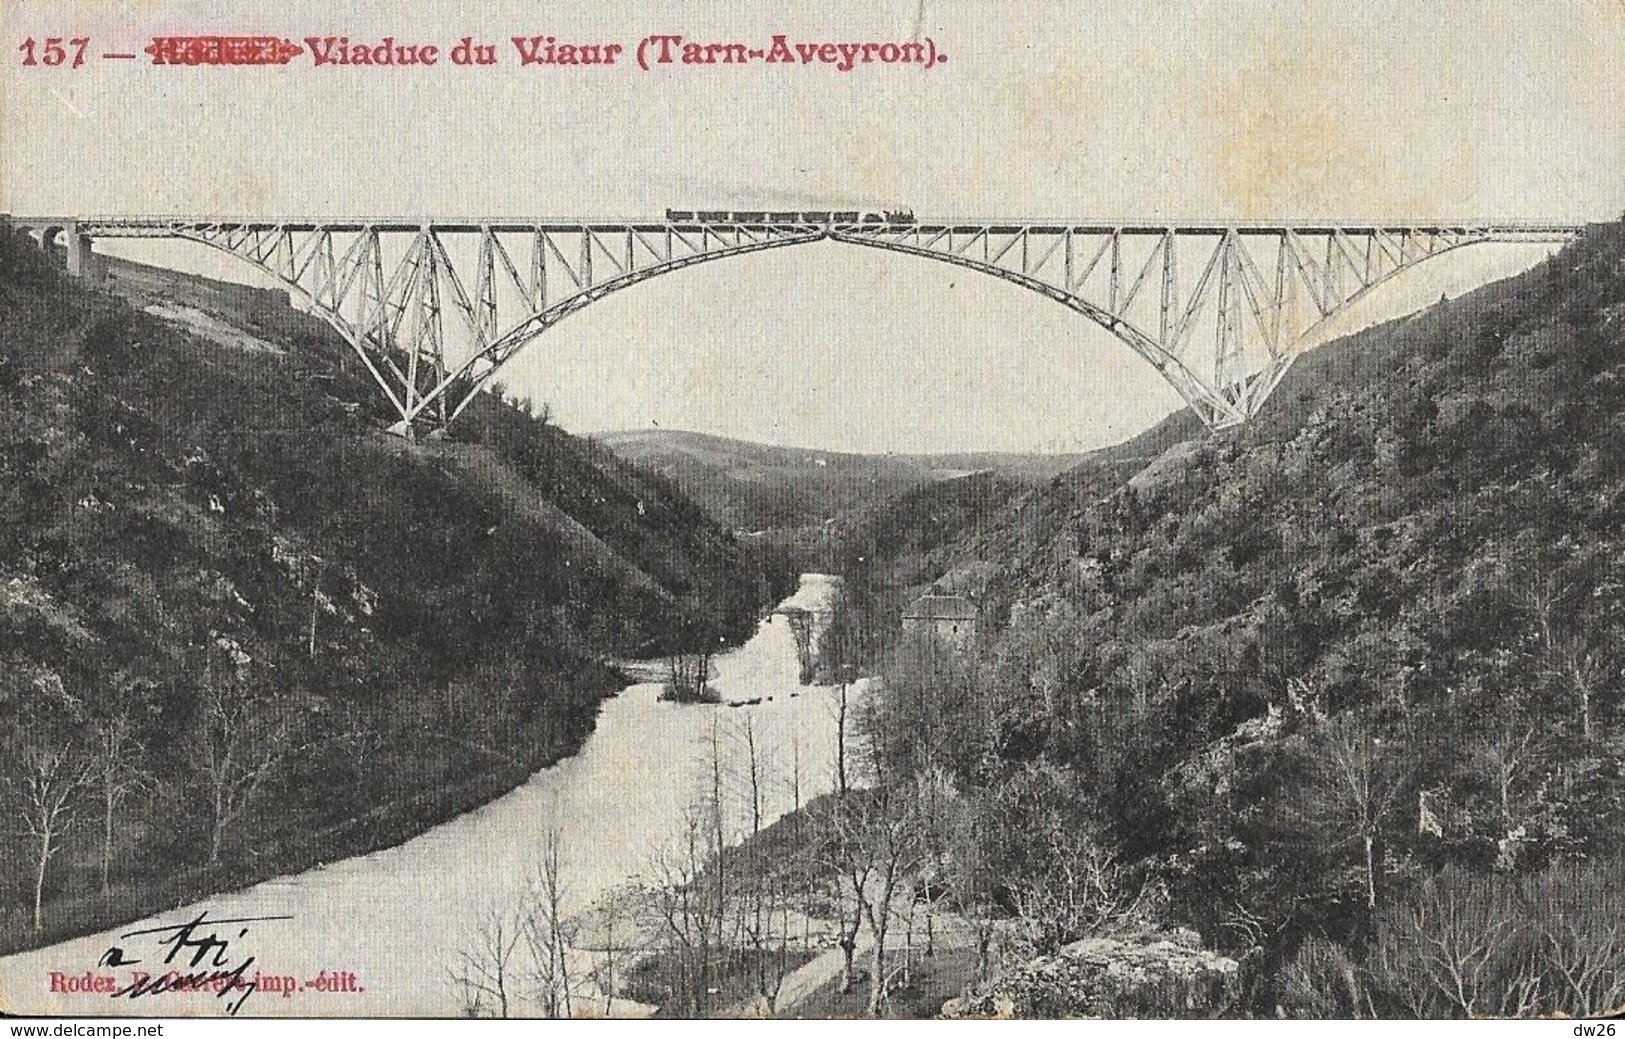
(210, 964)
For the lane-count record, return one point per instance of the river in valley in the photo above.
(376, 935)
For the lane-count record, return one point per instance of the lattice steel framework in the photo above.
(436, 309)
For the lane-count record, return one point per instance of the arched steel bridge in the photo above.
(436, 308)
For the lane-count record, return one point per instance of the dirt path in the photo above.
(814, 974)
(951, 932)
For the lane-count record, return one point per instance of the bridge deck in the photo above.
(118, 226)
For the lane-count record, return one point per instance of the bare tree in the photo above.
(841, 712)
(1356, 780)
(1502, 756)
(1460, 949)
(116, 771)
(1471, 945)
(874, 844)
(766, 890)
(547, 933)
(484, 972)
(677, 902)
(1578, 913)
(841, 647)
(801, 629)
(307, 570)
(45, 787)
(241, 743)
(847, 863)
(807, 882)
(758, 882)
(688, 677)
(969, 877)
(1585, 950)
(613, 910)
(715, 810)
(1322, 980)
(1573, 655)
(1082, 890)
(894, 831)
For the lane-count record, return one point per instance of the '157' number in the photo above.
(52, 52)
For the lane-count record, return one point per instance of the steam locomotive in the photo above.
(734, 216)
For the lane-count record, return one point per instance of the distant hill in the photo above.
(752, 486)
(210, 551)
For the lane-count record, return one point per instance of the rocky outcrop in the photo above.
(983, 1006)
(1162, 974)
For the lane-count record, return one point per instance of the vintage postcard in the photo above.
(1038, 510)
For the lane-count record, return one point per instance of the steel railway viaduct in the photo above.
(435, 308)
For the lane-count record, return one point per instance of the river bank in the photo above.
(472, 777)
(395, 919)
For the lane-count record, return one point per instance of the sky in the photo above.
(1210, 110)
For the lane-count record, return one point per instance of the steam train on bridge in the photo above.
(817, 216)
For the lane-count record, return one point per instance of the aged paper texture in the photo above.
(1128, 526)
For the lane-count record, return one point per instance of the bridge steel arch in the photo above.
(436, 309)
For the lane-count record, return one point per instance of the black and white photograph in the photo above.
(1091, 510)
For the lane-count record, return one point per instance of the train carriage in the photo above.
(816, 216)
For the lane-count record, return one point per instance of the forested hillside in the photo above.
(1340, 690)
(242, 630)
(753, 486)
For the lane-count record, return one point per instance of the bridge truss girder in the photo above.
(435, 310)
(1260, 294)
(398, 323)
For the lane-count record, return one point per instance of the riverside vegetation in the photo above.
(243, 632)
(1323, 716)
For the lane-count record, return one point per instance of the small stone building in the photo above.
(951, 618)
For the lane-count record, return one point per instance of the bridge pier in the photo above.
(82, 259)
